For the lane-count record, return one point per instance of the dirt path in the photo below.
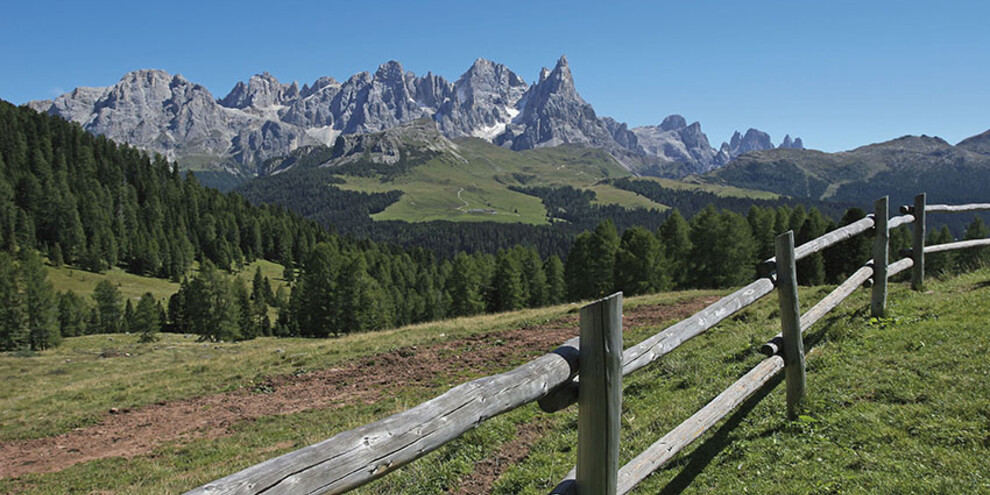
(129, 433)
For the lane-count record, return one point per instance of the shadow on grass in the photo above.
(703, 455)
(692, 465)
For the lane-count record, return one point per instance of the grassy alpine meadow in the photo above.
(477, 189)
(895, 405)
(131, 286)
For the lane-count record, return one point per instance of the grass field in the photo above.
(477, 189)
(67, 278)
(896, 405)
(449, 189)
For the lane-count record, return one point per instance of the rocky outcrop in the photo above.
(676, 141)
(483, 101)
(264, 118)
(552, 113)
(979, 143)
(753, 140)
(788, 143)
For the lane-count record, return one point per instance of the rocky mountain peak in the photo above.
(544, 74)
(390, 71)
(673, 122)
(262, 91)
(753, 140)
(979, 143)
(262, 117)
(318, 85)
(560, 81)
(788, 143)
(676, 141)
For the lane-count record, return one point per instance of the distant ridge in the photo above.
(263, 118)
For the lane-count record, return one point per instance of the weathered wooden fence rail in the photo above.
(353, 458)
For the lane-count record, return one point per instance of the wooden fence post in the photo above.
(790, 322)
(600, 396)
(918, 249)
(881, 241)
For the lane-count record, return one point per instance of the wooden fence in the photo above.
(353, 458)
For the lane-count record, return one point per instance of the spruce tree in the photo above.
(556, 287)
(811, 269)
(13, 319)
(464, 287)
(675, 239)
(639, 263)
(109, 308)
(72, 311)
(844, 258)
(509, 292)
(601, 263)
(146, 320)
(41, 305)
(576, 268)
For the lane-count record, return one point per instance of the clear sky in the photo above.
(837, 73)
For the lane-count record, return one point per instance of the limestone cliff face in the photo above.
(264, 118)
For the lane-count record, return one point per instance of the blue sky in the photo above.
(837, 73)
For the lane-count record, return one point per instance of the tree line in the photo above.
(85, 201)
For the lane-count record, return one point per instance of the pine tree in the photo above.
(811, 269)
(72, 313)
(41, 305)
(464, 287)
(509, 293)
(109, 308)
(146, 320)
(556, 287)
(843, 259)
(601, 263)
(128, 316)
(675, 239)
(724, 252)
(761, 222)
(13, 320)
(639, 263)
(534, 277)
(314, 307)
(576, 268)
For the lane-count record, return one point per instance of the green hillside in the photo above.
(901, 168)
(414, 174)
(131, 286)
(896, 405)
(477, 188)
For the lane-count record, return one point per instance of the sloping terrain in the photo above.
(901, 167)
(413, 173)
(896, 405)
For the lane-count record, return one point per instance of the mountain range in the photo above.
(264, 118)
(899, 168)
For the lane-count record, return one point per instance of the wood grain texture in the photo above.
(895, 222)
(357, 456)
(790, 322)
(831, 238)
(881, 244)
(918, 243)
(667, 340)
(600, 396)
(957, 208)
(818, 311)
(949, 246)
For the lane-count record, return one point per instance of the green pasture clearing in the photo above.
(896, 405)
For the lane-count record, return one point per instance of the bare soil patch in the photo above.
(133, 432)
